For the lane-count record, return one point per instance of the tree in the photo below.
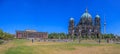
(1, 34)
(5, 36)
(57, 36)
(108, 35)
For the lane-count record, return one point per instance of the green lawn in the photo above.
(20, 46)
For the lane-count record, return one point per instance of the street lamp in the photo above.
(79, 35)
(96, 34)
(73, 35)
(90, 32)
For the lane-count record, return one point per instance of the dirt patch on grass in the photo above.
(5, 47)
(93, 50)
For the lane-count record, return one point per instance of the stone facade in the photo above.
(86, 26)
(31, 34)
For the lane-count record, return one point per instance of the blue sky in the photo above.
(53, 15)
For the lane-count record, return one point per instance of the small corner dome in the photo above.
(71, 18)
(97, 16)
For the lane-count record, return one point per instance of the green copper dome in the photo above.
(71, 18)
(86, 15)
(97, 16)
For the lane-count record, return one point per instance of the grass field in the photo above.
(26, 47)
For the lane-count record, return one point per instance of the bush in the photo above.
(1, 41)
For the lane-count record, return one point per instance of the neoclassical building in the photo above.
(31, 34)
(87, 26)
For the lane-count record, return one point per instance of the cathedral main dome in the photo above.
(86, 18)
(86, 15)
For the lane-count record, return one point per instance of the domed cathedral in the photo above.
(86, 27)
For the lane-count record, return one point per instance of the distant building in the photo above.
(31, 34)
(87, 26)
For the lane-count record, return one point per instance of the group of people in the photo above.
(107, 41)
(110, 41)
(99, 40)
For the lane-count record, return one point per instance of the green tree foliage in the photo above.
(65, 36)
(1, 34)
(108, 35)
(57, 36)
(5, 36)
